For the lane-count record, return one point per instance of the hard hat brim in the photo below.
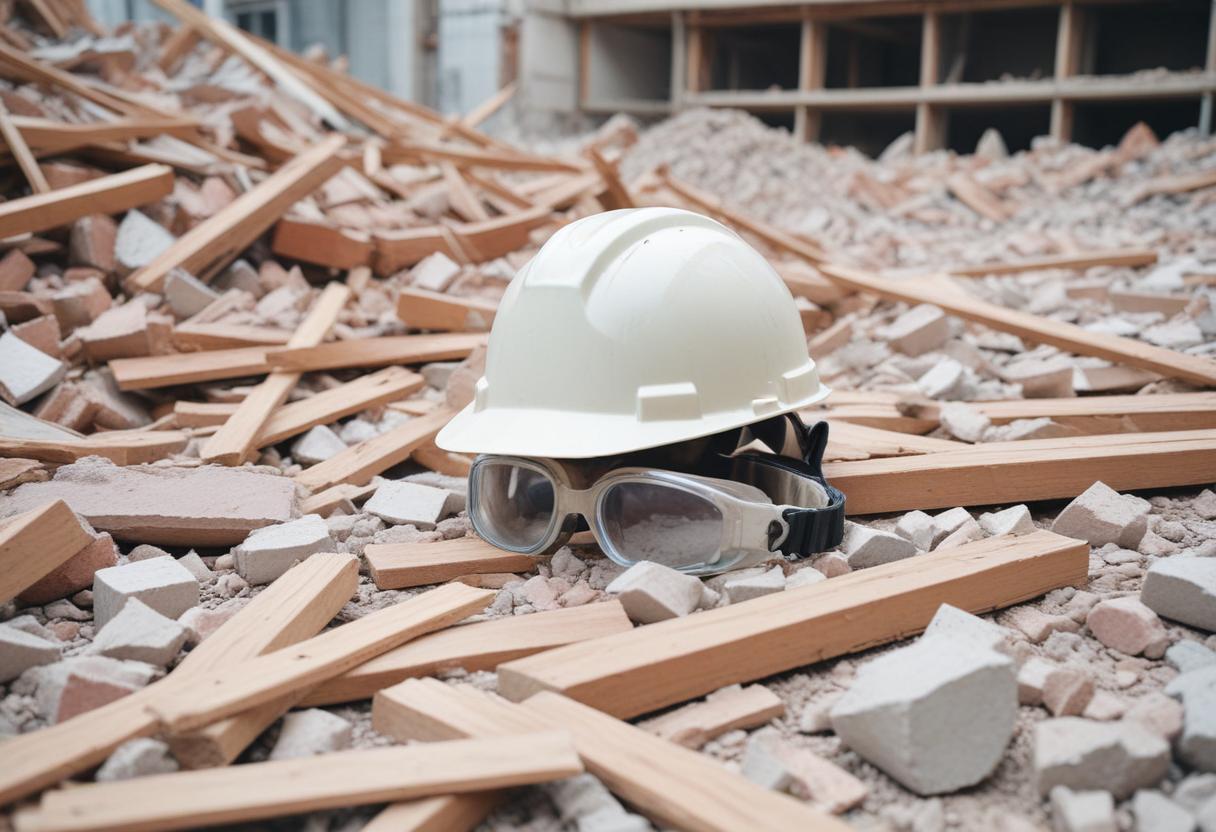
(565, 435)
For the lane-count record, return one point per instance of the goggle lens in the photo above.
(513, 507)
(661, 523)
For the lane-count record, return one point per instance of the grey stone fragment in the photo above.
(311, 732)
(917, 527)
(865, 547)
(1157, 813)
(1194, 791)
(162, 583)
(139, 633)
(651, 592)
(20, 650)
(756, 586)
(1013, 520)
(1182, 588)
(1101, 515)
(1089, 811)
(1186, 655)
(410, 503)
(317, 445)
(1119, 757)
(1197, 692)
(201, 572)
(269, 552)
(137, 758)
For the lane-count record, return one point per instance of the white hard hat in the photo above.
(633, 329)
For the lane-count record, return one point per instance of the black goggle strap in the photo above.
(799, 450)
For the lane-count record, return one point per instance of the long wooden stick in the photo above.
(104, 195)
(187, 800)
(402, 565)
(359, 463)
(1102, 414)
(1078, 261)
(377, 352)
(673, 661)
(34, 543)
(675, 787)
(450, 813)
(21, 152)
(330, 405)
(122, 447)
(294, 607)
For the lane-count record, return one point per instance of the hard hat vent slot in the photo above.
(666, 402)
(800, 383)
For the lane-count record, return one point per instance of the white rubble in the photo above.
(865, 547)
(26, 372)
(79, 684)
(201, 572)
(186, 294)
(410, 503)
(310, 732)
(1119, 757)
(917, 527)
(1013, 520)
(946, 523)
(318, 445)
(162, 583)
(1157, 813)
(1183, 589)
(435, 272)
(1196, 690)
(755, 586)
(140, 240)
(946, 380)
(270, 551)
(1102, 515)
(921, 329)
(651, 592)
(964, 422)
(1082, 811)
(21, 650)
(141, 634)
(137, 758)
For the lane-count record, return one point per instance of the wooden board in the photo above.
(730, 709)
(1077, 261)
(36, 542)
(188, 800)
(122, 447)
(237, 688)
(217, 240)
(104, 195)
(321, 243)
(401, 565)
(326, 501)
(359, 463)
(21, 152)
(480, 646)
(1105, 414)
(190, 336)
(673, 661)
(673, 786)
(1170, 363)
(15, 470)
(847, 440)
(376, 352)
(237, 438)
(450, 813)
(188, 368)
(294, 607)
(423, 309)
(328, 406)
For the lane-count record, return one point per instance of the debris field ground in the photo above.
(242, 292)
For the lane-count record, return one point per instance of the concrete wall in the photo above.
(470, 52)
(548, 61)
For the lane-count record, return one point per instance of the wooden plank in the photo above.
(191, 336)
(34, 543)
(359, 463)
(237, 438)
(729, 709)
(399, 248)
(415, 152)
(326, 501)
(188, 800)
(188, 367)
(401, 565)
(424, 309)
(977, 197)
(1104, 414)
(202, 414)
(480, 646)
(450, 813)
(48, 137)
(14, 471)
(489, 107)
(178, 45)
(1170, 363)
(121, 447)
(328, 406)
(103, 195)
(1078, 261)
(376, 352)
(321, 243)
(675, 787)
(461, 198)
(1174, 185)
(21, 152)
(294, 607)
(673, 661)
(1026, 470)
(615, 194)
(847, 440)
(217, 240)
(231, 690)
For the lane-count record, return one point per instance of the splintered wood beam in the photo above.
(1101, 414)
(46, 137)
(187, 800)
(237, 438)
(328, 406)
(450, 813)
(942, 293)
(217, 240)
(122, 447)
(402, 565)
(36, 542)
(21, 152)
(294, 607)
(233, 689)
(1078, 261)
(415, 152)
(321, 243)
(480, 646)
(193, 336)
(675, 787)
(615, 194)
(359, 463)
(103, 195)
(673, 661)
(377, 352)
(1026, 470)
(424, 309)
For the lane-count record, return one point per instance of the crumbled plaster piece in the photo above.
(651, 592)
(1102, 515)
(161, 583)
(269, 552)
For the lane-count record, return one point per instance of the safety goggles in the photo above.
(768, 505)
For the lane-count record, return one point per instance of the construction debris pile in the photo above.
(242, 292)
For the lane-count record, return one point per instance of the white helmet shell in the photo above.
(633, 329)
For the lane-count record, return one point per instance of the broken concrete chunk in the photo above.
(1102, 515)
(610, 820)
(763, 766)
(80, 303)
(964, 422)
(269, 552)
(651, 592)
(1049, 378)
(79, 684)
(20, 650)
(1082, 811)
(804, 577)
(25, 371)
(581, 796)
(1126, 625)
(318, 445)
(1159, 714)
(954, 623)
(1183, 589)
(1197, 692)
(140, 241)
(920, 330)
(311, 732)
(966, 533)
(435, 272)
(127, 331)
(1067, 691)
(1186, 656)
(161, 583)
(755, 586)
(197, 568)
(1036, 625)
(1082, 754)
(137, 758)
(1157, 813)
(1013, 520)
(186, 294)
(410, 503)
(946, 380)
(936, 715)
(146, 551)
(141, 634)
(1032, 679)
(865, 547)
(917, 527)
(947, 522)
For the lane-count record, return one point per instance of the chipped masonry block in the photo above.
(137, 758)
(1126, 625)
(75, 574)
(947, 379)
(1036, 625)
(140, 240)
(755, 586)
(186, 294)
(921, 329)
(1067, 691)
(161, 583)
(25, 371)
(91, 242)
(1081, 754)
(200, 622)
(581, 796)
(127, 331)
(16, 269)
(139, 633)
(80, 303)
(1082, 811)
(19, 651)
(1013, 520)
(197, 568)
(438, 373)
(1183, 589)
(804, 577)
(1032, 679)
(1197, 692)
(917, 527)
(311, 732)
(1042, 378)
(967, 532)
(317, 445)
(268, 553)
(953, 623)
(1102, 515)
(936, 716)
(1195, 791)
(651, 592)
(865, 547)
(146, 551)
(206, 506)
(409, 503)
(1159, 714)
(1185, 656)
(817, 780)
(764, 766)
(79, 684)
(1157, 813)
(1104, 707)
(964, 422)
(946, 523)
(435, 272)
